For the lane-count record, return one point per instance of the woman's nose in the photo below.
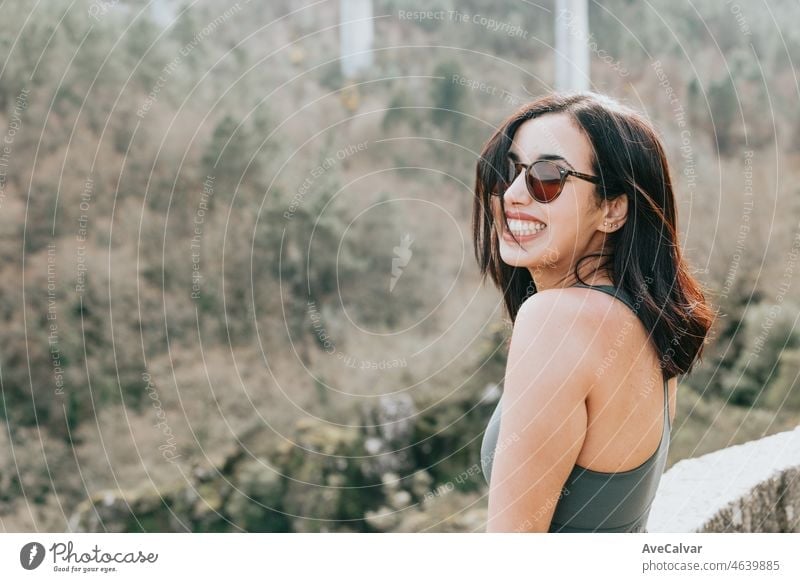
(517, 192)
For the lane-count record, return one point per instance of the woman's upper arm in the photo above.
(544, 418)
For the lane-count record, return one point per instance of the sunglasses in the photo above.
(545, 179)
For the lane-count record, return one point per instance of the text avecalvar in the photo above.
(671, 549)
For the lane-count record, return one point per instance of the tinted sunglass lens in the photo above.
(507, 177)
(544, 181)
(514, 171)
(502, 180)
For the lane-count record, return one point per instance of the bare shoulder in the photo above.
(577, 307)
(557, 329)
(582, 310)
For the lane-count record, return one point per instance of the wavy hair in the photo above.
(644, 257)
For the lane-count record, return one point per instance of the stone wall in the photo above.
(752, 487)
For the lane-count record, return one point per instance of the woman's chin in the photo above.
(526, 255)
(517, 257)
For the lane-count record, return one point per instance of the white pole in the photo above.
(572, 45)
(356, 32)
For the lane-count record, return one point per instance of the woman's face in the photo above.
(573, 222)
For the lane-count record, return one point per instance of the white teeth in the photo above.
(525, 226)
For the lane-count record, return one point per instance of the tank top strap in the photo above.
(617, 292)
(667, 423)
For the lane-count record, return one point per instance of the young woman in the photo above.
(575, 222)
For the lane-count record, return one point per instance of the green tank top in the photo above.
(593, 501)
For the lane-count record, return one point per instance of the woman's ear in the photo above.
(614, 213)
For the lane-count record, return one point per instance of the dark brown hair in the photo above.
(644, 256)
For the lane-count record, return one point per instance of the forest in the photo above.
(238, 289)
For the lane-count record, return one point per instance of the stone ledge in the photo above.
(752, 487)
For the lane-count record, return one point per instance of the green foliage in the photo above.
(398, 111)
(724, 105)
(766, 334)
(784, 391)
(447, 97)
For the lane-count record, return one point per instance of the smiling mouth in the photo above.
(523, 228)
